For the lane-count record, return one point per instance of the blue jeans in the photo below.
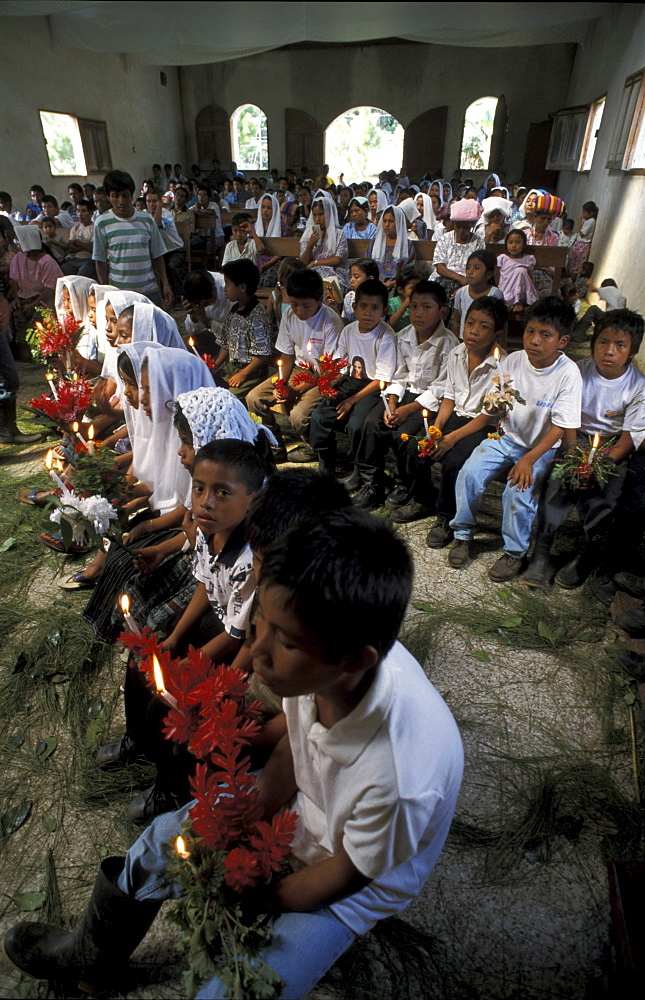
(303, 947)
(519, 508)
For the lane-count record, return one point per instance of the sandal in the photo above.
(33, 498)
(55, 542)
(76, 582)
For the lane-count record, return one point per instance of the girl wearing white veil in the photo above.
(270, 223)
(378, 201)
(72, 299)
(391, 246)
(428, 221)
(149, 323)
(323, 245)
(411, 211)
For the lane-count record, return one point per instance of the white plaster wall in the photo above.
(403, 79)
(614, 49)
(143, 118)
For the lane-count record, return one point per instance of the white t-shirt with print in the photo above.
(376, 350)
(308, 339)
(611, 405)
(229, 580)
(553, 396)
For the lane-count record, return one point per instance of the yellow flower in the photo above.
(275, 378)
(434, 432)
(405, 437)
(254, 417)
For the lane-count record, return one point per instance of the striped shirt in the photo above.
(128, 246)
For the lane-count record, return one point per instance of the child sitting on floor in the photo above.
(308, 329)
(480, 281)
(422, 349)
(612, 407)
(369, 348)
(550, 385)
(370, 758)
(245, 338)
(360, 270)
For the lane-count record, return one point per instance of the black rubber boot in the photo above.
(576, 572)
(540, 569)
(353, 482)
(96, 953)
(118, 754)
(9, 433)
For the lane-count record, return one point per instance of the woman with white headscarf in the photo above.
(148, 322)
(493, 225)
(391, 247)
(323, 245)
(72, 300)
(34, 271)
(359, 226)
(378, 202)
(270, 223)
(427, 225)
(411, 211)
(492, 181)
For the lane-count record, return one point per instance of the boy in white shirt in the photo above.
(308, 329)
(369, 348)
(422, 349)
(613, 406)
(244, 241)
(551, 386)
(206, 305)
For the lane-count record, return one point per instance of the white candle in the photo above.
(90, 439)
(497, 353)
(280, 364)
(180, 847)
(424, 414)
(78, 434)
(161, 691)
(49, 461)
(191, 343)
(50, 378)
(594, 448)
(129, 620)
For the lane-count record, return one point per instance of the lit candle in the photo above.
(129, 620)
(90, 439)
(280, 364)
(191, 344)
(80, 437)
(497, 354)
(161, 691)
(594, 448)
(50, 378)
(49, 461)
(424, 414)
(180, 847)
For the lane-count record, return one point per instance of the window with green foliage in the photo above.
(250, 139)
(76, 147)
(478, 133)
(362, 142)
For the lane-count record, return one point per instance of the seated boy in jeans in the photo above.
(308, 329)
(370, 758)
(551, 385)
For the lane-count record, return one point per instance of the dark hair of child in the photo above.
(488, 259)
(239, 218)
(553, 311)
(65, 205)
(367, 266)
(75, 186)
(587, 269)
(50, 199)
(493, 307)
(349, 579)
(288, 265)
(569, 223)
(117, 181)
(198, 285)
(608, 282)
(569, 290)
(591, 207)
(433, 288)
(125, 367)
(179, 419)
(305, 284)
(290, 497)
(38, 188)
(243, 272)
(87, 204)
(404, 275)
(625, 320)
(469, 189)
(371, 286)
(249, 463)
(206, 188)
(516, 232)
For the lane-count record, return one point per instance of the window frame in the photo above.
(621, 153)
(588, 134)
(563, 121)
(235, 146)
(85, 127)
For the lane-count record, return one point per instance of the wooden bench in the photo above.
(227, 215)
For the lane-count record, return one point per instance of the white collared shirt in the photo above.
(382, 783)
(466, 389)
(420, 365)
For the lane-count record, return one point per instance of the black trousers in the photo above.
(623, 550)
(325, 425)
(376, 438)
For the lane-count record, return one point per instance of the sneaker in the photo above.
(303, 453)
(460, 554)
(368, 496)
(440, 534)
(397, 498)
(506, 568)
(411, 511)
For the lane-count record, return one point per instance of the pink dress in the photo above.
(514, 279)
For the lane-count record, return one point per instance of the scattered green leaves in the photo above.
(46, 748)
(13, 818)
(7, 544)
(50, 823)
(29, 901)
(481, 655)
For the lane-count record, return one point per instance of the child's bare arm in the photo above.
(277, 784)
(319, 884)
(198, 606)
(222, 647)
(345, 408)
(624, 445)
(521, 475)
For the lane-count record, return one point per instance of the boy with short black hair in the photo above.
(207, 306)
(422, 349)
(244, 241)
(613, 406)
(308, 329)
(371, 761)
(245, 337)
(551, 385)
(369, 348)
(128, 249)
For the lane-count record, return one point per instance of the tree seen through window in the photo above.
(250, 138)
(477, 135)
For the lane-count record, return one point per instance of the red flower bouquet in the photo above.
(71, 400)
(48, 337)
(329, 369)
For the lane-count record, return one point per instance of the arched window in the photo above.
(250, 138)
(362, 142)
(478, 132)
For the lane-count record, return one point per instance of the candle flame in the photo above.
(596, 441)
(497, 353)
(180, 847)
(90, 432)
(158, 676)
(50, 376)
(49, 460)
(424, 413)
(382, 386)
(192, 344)
(309, 347)
(125, 604)
(75, 426)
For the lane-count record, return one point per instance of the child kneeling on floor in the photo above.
(551, 387)
(612, 407)
(371, 761)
